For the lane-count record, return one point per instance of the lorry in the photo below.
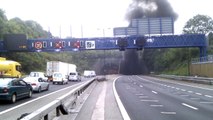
(59, 67)
(9, 68)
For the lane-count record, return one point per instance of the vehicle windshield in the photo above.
(34, 74)
(72, 73)
(57, 75)
(18, 68)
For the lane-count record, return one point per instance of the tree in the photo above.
(3, 20)
(199, 24)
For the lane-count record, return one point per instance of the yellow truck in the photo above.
(9, 68)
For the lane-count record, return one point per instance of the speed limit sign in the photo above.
(38, 45)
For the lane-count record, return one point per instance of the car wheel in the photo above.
(13, 99)
(53, 83)
(30, 93)
(39, 89)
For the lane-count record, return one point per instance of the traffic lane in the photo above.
(6, 105)
(187, 100)
(147, 103)
(207, 89)
(34, 104)
(204, 92)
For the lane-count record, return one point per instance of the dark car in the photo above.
(14, 89)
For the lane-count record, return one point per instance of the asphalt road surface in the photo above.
(10, 111)
(147, 98)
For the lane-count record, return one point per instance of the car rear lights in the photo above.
(5, 90)
(33, 84)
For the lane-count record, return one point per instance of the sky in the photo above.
(92, 18)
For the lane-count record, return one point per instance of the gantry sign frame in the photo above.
(126, 40)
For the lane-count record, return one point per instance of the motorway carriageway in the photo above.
(148, 98)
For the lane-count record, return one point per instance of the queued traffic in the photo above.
(15, 88)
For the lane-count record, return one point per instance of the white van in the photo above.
(89, 73)
(74, 76)
(59, 78)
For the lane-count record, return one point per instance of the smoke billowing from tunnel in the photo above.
(150, 8)
(132, 63)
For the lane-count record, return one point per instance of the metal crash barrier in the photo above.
(203, 80)
(59, 105)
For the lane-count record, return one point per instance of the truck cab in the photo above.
(9, 68)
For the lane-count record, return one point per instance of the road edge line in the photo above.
(120, 104)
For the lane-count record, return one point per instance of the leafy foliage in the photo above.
(199, 24)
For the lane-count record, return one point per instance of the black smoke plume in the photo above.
(133, 64)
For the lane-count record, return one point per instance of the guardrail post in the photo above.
(46, 117)
(58, 111)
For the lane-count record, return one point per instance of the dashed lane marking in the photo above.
(156, 105)
(183, 90)
(139, 94)
(145, 100)
(209, 96)
(168, 113)
(143, 97)
(198, 93)
(177, 88)
(154, 92)
(206, 102)
(189, 106)
(141, 86)
(190, 91)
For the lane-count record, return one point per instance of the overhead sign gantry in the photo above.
(142, 33)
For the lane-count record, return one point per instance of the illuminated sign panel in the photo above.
(15, 42)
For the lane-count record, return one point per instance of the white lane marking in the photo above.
(168, 113)
(145, 100)
(141, 85)
(98, 112)
(209, 96)
(156, 105)
(120, 104)
(177, 88)
(206, 102)
(173, 87)
(189, 106)
(154, 92)
(143, 97)
(139, 94)
(184, 95)
(190, 91)
(10, 109)
(198, 93)
(183, 90)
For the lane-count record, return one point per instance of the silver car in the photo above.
(38, 85)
